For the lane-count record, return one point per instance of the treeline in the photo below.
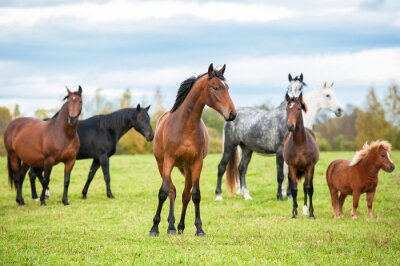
(379, 119)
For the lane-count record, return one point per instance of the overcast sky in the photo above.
(46, 45)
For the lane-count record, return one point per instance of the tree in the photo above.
(43, 113)
(126, 100)
(5, 118)
(17, 112)
(97, 105)
(371, 123)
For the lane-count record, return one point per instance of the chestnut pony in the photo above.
(358, 176)
(300, 152)
(181, 140)
(36, 143)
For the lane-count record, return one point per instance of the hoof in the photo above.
(110, 196)
(65, 202)
(42, 203)
(279, 197)
(21, 204)
(313, 217)
(200, 233)
(153, 234)
(218, 197)
(84, 196)
(180, 231)
(171, 231)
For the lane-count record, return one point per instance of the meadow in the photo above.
(102, 231)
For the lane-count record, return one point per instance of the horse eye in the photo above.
(328, 96)
(215, 88)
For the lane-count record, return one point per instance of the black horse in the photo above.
(99, 136)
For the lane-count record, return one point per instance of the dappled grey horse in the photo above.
(256, 130)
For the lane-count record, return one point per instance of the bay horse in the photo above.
(260, 131)
(31, 142)
(358, 176)
(181, 140)
(99, 136)
(300, 152)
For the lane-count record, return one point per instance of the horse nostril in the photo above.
(339, 111)
(232, 115)
(290, 127)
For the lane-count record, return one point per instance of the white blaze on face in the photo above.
(291, 105)
(390, 158)
(73, 98)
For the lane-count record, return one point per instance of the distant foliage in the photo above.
(5, 118)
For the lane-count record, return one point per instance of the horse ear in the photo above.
(147, 108)
(287, 98)
(69, 92)
(211, 71)
(303, 104)
(290, 78)
(301, 77)
(80, 90)
(222, 70)
(138, 107)
(332, 84)
(325, 84)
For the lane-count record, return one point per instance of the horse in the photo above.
(358, 176)
(99, 136)
(31, 142)
(181, 140)
(300, 152)
(256, 130)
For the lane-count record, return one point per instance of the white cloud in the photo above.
(101, 14)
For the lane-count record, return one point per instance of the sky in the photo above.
(143, 45)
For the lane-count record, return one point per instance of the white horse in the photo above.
(316, 100)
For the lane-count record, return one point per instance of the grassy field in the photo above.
(115, 231)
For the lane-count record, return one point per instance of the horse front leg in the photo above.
(221, 170)
(196, 196)
(293, 188)
(370, 199)
(185, 199)
(162, 194)
(279, 171)
(93, 169)
(67, 174)
(32, 178)
(309, 190)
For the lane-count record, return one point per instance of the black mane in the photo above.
(117, 119)
(186, 86)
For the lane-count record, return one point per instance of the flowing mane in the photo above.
(186, 86)
(366, 149)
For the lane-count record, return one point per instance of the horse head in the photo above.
(294, 105)
(217, 94)
(296, 85)
(383, 158)
(74, 104)
(142, 124)
(328, 100)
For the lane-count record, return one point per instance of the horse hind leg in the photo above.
(293, 188)
(342, 198)
(244, 163)
(280, 175)
(305, 190)
(221, 171)
(15, 170)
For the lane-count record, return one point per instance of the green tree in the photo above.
(371, 123)
(126, 100)
(392, 106)
(97, 105)
(5, 118)
(16, 112)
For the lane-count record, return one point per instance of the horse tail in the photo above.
(232, 173)
(10, 173)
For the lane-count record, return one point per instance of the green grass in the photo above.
(115, 231)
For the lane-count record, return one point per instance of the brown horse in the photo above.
(300, 153)
(41, 144)
(181, 140)
(358, 176)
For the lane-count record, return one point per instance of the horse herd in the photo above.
(181, 140)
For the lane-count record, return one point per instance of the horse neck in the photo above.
(189, 113)
(299, 134)
(367, 163)
(61, 122)
(127, 123)
(313, 108)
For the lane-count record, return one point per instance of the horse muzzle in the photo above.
(72, 119)
(232, 116)
(391, 168)
(339, 112)
(149, 136)
(291, 127)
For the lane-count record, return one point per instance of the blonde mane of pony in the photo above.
(361, 154)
